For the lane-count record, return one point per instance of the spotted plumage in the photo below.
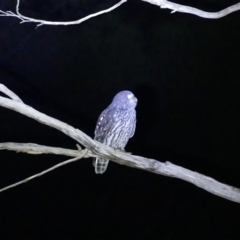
(115, 125)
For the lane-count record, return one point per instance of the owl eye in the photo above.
(130, 96)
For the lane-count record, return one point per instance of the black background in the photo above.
(185, 73)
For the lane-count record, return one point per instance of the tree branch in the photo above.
(103, 151)
(41, 22)
(191, 10)
(9, 93)
(161, 3)
(32, 148)
(45, 171)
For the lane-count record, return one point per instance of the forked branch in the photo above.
(41, 22)
(161, 3)
(95, 148)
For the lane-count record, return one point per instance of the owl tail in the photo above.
(100, 165)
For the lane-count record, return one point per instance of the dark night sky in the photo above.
(185, 73)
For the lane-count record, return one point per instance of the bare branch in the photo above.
(191, 10)
(9, 93)
(33, 148)
(103, 151)
(161, 3)
(41, 22)
(45, 171)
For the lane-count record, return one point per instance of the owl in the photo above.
(115, 125)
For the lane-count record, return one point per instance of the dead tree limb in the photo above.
(161, 3)
(95, 148)
(191, 10)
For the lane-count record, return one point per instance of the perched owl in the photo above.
(116, 125)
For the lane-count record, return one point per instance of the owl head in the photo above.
(124, 99)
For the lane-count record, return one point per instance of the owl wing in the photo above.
(106, 122)
(133, 124)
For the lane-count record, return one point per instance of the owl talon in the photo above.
(116, 149)
(121, 150)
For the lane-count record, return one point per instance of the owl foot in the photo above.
(121, 150)
(129, 153)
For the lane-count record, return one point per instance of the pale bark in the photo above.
(161, 3)
(95, 148)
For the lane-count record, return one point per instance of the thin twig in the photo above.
(45, 171)
(44, 22)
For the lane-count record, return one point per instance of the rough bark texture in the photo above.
(100, 150)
